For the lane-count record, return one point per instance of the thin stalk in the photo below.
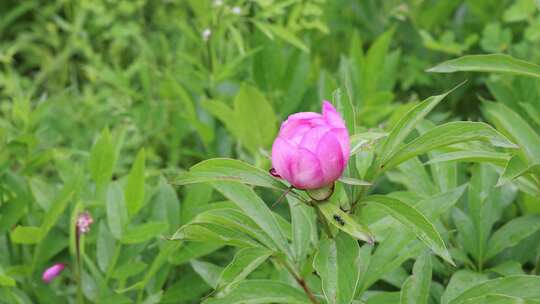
(299, 280)
(78, 244)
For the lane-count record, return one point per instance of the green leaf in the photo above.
(6, 281)
(512, 233)
(345, 222)
(471, 156)
(406, 125)
(237, 220)
(354, 181)
(26, 235)
(117, 216)
(129, 269)
(414, 220)
(460, 281)
(500, 299)
(338, 264)
(224, 113)
(515, 127)
(366, 139)
(515, 168)
(60, 204)
(395, 249)
(192, 250)
(304, 228)
(261, 292)
(102, 158)
(104, 247)
(143, 232)
(495, 63)
(134, 190)
(288, 36)
(252, 109)
(445, 135)
(507, 268)
(165, 205)
(344, 106)
(213, 233)
(521, 286)
(415, 290)
(246, 199)
(244, 262)
(207, 271)
(372, 67)
(226, 169)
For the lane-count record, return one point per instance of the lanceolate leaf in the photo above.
(515, 168)
(520, 286)
(304, 228)
(134, 190)
(344, 222)
(246, 199)
(445, 135)
(415, 290)
(497, 63)
(515, 127)
(143, 232)
(244, 262)
(102, 158)
(338, 264)
(261, 292)
(226, 169)
(471, 156)
(414, 220)
(407, 124)
(512, 233)
(460, 281)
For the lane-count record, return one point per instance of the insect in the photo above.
(339, 220)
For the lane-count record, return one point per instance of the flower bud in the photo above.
(52, 272)
(84, 221)
(311, 150)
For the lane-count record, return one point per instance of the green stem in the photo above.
(322, 219)
(298, 280)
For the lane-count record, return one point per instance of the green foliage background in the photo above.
(105, 104)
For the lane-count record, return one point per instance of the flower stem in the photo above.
(299, 280)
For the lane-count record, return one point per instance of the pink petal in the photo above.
(311, 139)
(342, 136)
(52, 272)
(294, 130)
(306, 170)
(283, 154)
(331, 157)
(332, 116)
(303, 115)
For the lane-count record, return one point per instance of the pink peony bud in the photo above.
(311, 150)
(52, 272)
(84, 220)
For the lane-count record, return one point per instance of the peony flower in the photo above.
(311, 150)
(52, 272)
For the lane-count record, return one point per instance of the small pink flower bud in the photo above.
(84, 221)
(52, 272)
(311, 150)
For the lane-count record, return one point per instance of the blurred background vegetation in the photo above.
(193, 79)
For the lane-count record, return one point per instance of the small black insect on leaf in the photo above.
(339, 220)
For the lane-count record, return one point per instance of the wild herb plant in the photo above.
(136, 151)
